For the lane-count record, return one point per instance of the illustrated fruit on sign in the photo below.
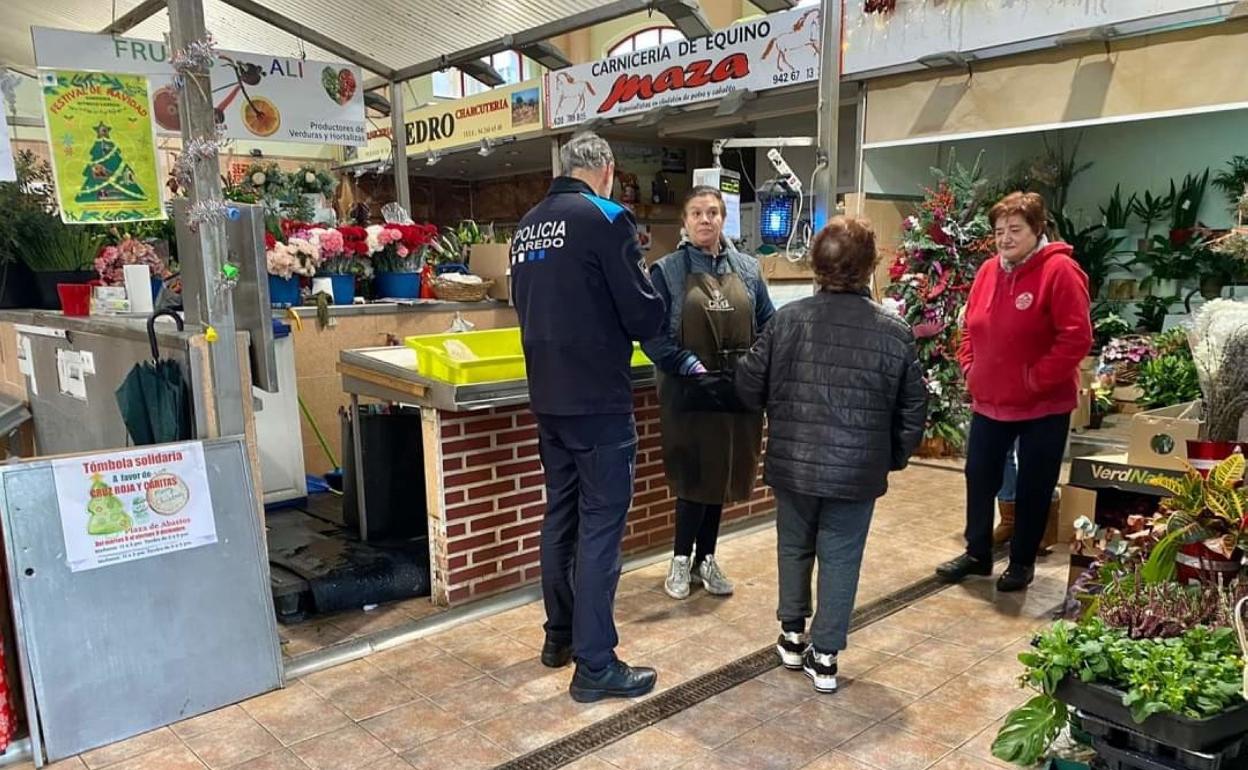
(165, 109)
(340, 85)
(261, 116)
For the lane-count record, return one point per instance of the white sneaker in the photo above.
(821, 669)
(713, 578)
(791, 646)
(677, 583)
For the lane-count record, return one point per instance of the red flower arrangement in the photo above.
(354, 240)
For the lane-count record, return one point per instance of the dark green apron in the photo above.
(711, 457)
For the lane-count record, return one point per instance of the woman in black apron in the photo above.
(717, 303)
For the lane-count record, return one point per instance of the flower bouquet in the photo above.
(398, 260)
(297, 255)
(112, 260)
(344, 255)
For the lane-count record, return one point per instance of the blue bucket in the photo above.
(344, 289)
(397, 285)
(157, 285)
(283, 292)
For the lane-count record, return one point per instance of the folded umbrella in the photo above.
(154, 398)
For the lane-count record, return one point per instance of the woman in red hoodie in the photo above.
(1028, 326)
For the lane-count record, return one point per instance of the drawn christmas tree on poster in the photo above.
(108, 513)
(107, 176)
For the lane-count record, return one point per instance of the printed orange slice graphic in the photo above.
(261, 116)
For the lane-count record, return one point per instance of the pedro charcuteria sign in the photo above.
(495, 114)
(102, 146)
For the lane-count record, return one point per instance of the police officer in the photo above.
(583, 297)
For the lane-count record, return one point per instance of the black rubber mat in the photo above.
(341, 572)
(683, 696)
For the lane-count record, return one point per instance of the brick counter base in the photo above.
(486, 497)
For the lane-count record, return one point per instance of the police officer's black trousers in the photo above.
(589, 463)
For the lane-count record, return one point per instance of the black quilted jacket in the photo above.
(844, 395)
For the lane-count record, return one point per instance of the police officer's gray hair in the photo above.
(586, 150)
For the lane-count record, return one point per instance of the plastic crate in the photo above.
(1105, 703)
(1128, 749)
(498, 356)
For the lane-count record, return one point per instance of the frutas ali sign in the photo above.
(779, 49)
(495, 114)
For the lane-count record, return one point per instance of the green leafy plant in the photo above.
(1056, 169)
(1197, 674)
(1168, 380)
(1150, 210)
(310, 180)
(1117, 212)
(1152, 313)
(1168, 260)
(1186, 201)
(52, 246)
(1200, 509)
(1233, 181)
(447, 248)
(1093, 249)
(1107, 326)
(1102, 398)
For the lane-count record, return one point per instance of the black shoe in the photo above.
(959, 569)
(821, 669)
(1016, 578)
(618, 680)
(556, 654)
(791, 646)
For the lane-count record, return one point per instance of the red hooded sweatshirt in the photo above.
(1026, 332)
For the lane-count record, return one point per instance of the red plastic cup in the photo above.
(75, 298)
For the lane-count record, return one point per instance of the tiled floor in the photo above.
(921, 688)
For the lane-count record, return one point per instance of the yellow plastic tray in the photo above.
(499, 357)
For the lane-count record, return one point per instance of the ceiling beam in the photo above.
(320, 40)
(134, 17)
(603, 13)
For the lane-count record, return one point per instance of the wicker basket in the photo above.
(455, 291)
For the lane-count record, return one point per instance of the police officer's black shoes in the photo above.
(1016, 578)
(618, 680)
(959, 569)
(556, 654)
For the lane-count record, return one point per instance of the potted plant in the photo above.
(1154, 658)
(398, 262)
(1093, 250)
(343, 268)
(1125, 355)
(1219, 342)
(1168, 264)
(1217, 265)
(290, 260)
(1150, 210)
(316, 183)
(1116, 215)
(1202, 523)
(1233, 181)
(1185, 206)
(1152, 311)
(58, 253)
(29, 196)
(1102, 398)
(1168, 380)
(1106, 325)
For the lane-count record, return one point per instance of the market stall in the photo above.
(482, 480)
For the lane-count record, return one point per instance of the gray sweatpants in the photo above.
(835, 532)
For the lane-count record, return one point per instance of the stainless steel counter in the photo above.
(392, 308)
(389, 374)
(132, 328)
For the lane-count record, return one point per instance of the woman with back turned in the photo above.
(846, 404)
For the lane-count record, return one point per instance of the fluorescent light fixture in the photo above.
(734, 102)
(686, 15)
(486, 149)
(945, 59)
(1089, 35)
(593, 124)
(655, 116)
(480, 71)
(1238, 11)
(772, 6)
(432, 158)
(546, 54)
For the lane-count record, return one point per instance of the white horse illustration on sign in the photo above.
(569, 88)
(805, 34)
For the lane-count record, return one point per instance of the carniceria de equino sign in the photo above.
(776, 50)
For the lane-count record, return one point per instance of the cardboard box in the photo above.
(780, 268)
(493, 261)
(1158, 437)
